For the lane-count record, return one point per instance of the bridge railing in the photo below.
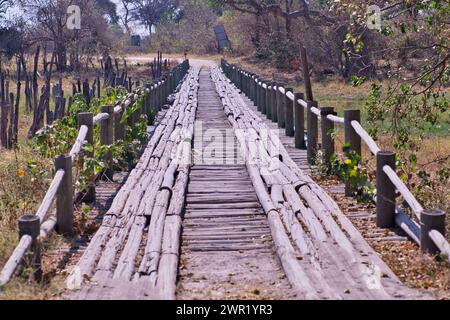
(282, 105)
(35, 228)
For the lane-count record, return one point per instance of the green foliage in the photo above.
(59, 137)
(357, 81)
(348, 168)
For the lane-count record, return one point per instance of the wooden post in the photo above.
(154, 107)
(64, 197)
(431, 220)
(258, 95)
(351, 139)
(263, 98)
(268, 101)
(166, 91)
(306, 78)
(241, 82)
(119, 126)
(289, 114)
(107, 139)
(30, 225)
(280, 108)
(312, 132)
(87, 119)
(274, 101)
(299, 122)
(385, 191)
(247, 85)
(327, 127)
(157, 99)
(254, 86)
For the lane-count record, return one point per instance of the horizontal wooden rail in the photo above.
(365, 137)
(83, 131)
(15, 259)
(100, 117)
(50, 196)
(61, 188)
(411, 228)
(335, 119)
(316, 111)
(401, 187)
(440, 242)
(387, 178)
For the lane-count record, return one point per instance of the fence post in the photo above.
(431, 220)
(299, 122)
(154, 103)
(247, 85)
(30, 225)
(87, 119)
(250, 86)
(327, 127)
(254, 93)
(385, 191)
(163, 92)
(289, 113)
(274, 102)
(268, 101)
(258, 95)
(280, 107)
(64, 197)
(263, 98)
(157, 96)
(241, 80)
(119, 125)
(351, 138)
(312, 132)
(306, 78)
(107, 139)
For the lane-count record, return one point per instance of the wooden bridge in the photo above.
(220, 205)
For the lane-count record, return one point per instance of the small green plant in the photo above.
(348, 168)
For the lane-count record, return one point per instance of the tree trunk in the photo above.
(288, 21)
(61, 54)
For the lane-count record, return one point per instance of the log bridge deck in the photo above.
(192, 220)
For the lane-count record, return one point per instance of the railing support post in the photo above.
(258, 95)
(30, 225)
(263, 98)
(254, 92)
(280, 108)
(87, 119)
(327, 127)
(289, 113)
(299, 122)
(64, 197)
(158, 96)
(312, 133)
(274, 101)
(385, 191)
(106, 139)
(119, 126)
(431, 220)
(352, 139)
(268, 101)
